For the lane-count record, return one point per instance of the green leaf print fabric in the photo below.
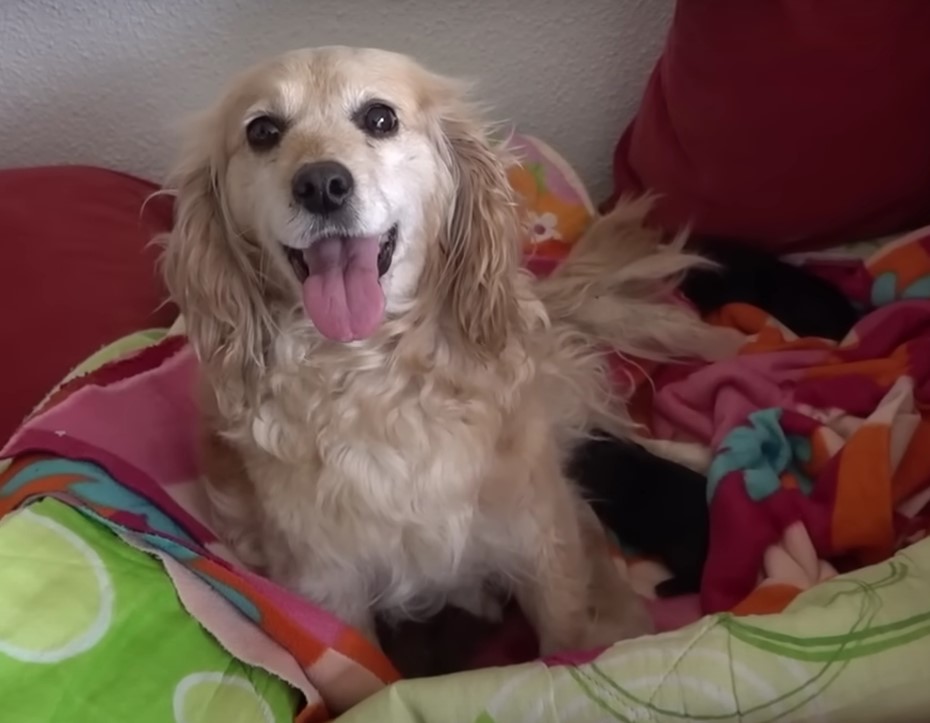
(91, 630)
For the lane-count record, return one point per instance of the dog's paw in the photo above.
(600, 632)
(632, 622)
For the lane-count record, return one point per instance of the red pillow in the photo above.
(77, 272)
(787, 123)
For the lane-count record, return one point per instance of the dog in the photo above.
(389, 399)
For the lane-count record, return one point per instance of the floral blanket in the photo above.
(818, 448)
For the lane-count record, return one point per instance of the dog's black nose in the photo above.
(322, 187)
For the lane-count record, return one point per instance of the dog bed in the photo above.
(108, 459)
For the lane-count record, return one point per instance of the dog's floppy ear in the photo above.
(211, 272)
(480, 238)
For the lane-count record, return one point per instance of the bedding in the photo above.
(774, 123)
(851, 649)
(109, 456)
(97, 224)
(91, 629)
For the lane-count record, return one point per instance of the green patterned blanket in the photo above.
(91, 629)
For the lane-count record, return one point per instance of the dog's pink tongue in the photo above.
(342, 295)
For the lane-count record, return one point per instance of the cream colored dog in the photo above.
(390, 398)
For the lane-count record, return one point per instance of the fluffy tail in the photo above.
(614, 292)
(616, 288)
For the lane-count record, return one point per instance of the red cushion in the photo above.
(787, 123)
(77, 272)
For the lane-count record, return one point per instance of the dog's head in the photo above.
(352, 182)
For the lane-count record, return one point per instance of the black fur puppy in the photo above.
(806, 304)
(656, 506)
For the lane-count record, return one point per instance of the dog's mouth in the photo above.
(300, 259)
(340, 278)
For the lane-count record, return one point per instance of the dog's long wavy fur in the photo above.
(614, 292)
(399, 472)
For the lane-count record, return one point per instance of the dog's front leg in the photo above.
(616, 612)
(552, 572)
(229, 500)
(567, 584)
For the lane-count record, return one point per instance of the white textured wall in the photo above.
(106, 81)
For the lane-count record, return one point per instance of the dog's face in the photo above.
(333, 165)
(352, 180)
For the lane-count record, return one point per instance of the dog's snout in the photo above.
(322, 187)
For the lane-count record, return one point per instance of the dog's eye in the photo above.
(378, 120)
(263, 133)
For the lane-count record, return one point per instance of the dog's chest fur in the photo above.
(374, 474)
